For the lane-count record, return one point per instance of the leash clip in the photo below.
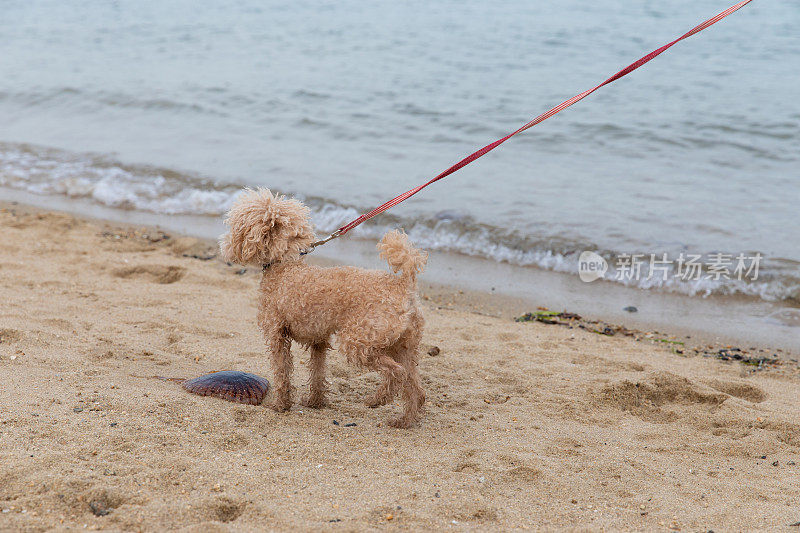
(314, 245)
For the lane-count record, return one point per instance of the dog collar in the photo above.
(267, 265)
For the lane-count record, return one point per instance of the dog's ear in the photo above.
(250, 219)
(264, 228)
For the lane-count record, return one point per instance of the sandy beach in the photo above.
(528, 425)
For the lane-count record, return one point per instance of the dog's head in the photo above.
(265, 228)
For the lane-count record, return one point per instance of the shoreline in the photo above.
(510, 291)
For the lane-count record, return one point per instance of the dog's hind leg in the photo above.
(317, 384)
(413, 398)
(408, 357)
(382, 360)
(280, 345)
(393, 377)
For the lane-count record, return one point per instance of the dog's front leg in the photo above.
(318, 384)
(280, 345)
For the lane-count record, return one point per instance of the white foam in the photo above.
(52, 172)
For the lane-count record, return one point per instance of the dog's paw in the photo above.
(281, 405)
(401, 422)
(314, 402)
(376, 400)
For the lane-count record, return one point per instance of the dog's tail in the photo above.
(402, 257)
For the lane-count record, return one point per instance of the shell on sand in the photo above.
(233, 386)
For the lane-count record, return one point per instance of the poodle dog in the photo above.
(374, 315)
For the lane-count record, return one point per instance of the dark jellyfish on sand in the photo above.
(233, 386)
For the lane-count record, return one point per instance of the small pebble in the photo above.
(434, 351)
(98, 508)
(630, 309)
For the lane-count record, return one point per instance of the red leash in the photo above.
(544, 116)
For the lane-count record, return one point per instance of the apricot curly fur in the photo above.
(375, 316)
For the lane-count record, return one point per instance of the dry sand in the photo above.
(527, 426)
